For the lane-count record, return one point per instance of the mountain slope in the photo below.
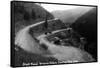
(69, 16)
(24, 14)
(86, 26)
(87, 22)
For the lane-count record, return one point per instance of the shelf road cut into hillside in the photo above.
(63, 53)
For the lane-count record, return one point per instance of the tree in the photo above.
(26, 16)
(33, 14)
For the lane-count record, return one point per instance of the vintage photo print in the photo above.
(52, 33)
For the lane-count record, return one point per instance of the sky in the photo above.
(88, 2)
(51, 7)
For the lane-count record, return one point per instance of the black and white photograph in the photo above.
(44, 33)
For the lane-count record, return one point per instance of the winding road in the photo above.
(63, 53)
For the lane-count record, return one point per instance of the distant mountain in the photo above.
(86, 25)
(69, 16)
